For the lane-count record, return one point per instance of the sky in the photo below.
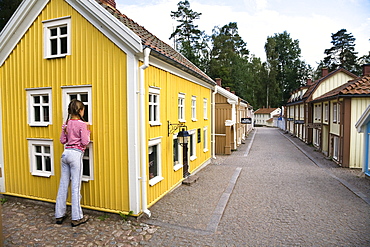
(312, 22)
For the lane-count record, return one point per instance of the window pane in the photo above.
(38, 163)
(37, 113)
(86, 113)
(150, 113)
(47, 164)
(63, 30)
(153, 164)
(47, 149)
(84, 98)
(155, 98)
(175, 152)
(63, 45)
(36, 99)
(72, 96)
(46, 113)
(86, 167)
(45, 99)
(191, 145)
(38, 149)
(53, 32)
(54, 46)
(155, 117)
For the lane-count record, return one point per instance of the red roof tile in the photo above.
(359, 86)
(157, 45)
(265, 110)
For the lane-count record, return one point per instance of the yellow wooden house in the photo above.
(138, 94)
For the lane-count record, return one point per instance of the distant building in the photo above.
(265, 117)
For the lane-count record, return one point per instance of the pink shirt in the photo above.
(77, 136)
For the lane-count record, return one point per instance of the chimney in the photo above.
(309, 82)
(227, 88)
(111, 3)
(218, 81)
(324, 72)
(366, 69)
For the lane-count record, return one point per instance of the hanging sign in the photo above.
(246, 120)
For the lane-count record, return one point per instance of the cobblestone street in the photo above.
(274, 191)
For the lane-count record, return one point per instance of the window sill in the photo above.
(155, 180)
(194, 119)
(39, 124)
(205, 150)
(177, 167)
(193, 158)
(182, 121)
(41, 174)
(153, 124)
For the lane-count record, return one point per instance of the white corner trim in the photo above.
(18, 25)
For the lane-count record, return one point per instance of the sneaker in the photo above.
(80, 221)
(59, 221)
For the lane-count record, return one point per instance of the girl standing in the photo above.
(76, 136)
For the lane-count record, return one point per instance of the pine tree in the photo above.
(342, 54)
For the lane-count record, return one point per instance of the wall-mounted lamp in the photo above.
(183, 137)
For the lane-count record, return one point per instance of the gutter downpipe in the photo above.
(142, 134)
(213, 123)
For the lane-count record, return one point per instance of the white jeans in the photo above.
(71, 171)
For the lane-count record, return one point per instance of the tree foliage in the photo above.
(342, 54)
(7, 8)
(285, 68)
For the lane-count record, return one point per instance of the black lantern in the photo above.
(183, 137)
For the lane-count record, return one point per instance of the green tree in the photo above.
(342, 54)
(188, 39)
(229, 58)
(7, 8)
(286, 70)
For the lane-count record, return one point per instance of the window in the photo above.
(181, 107)
(335, 148)
(205, 139)
(154, 161)
(57, 37)
(177, 154)
(338, 113)
(194, 108)
(326, 112)
(335, 112)
(41, 157)
(192, 145)
(39, 107)
(80, 93)
(84, 95)
(154, 117)
(205, 108)
(87, 162)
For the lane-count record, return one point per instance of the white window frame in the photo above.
(194, 108)
(335, 112)
(205, 139)
(336, 148)
(156, 142)
(31, 93)
(32, 156)
(86, 178)
(154, 108)
(68, 90)
(192, 144)
(326, 117)
(205, 109)
(181, 107)
(179, 165)
(56, 23)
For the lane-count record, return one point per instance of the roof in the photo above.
(357, 87)
(316, 83)
(160, 48)
(265, 110)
